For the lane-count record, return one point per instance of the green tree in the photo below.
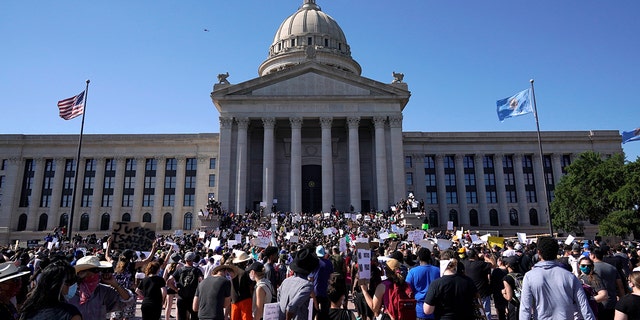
(589, 191)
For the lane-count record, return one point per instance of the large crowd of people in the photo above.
(308, 267)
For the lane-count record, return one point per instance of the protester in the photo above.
(43, 303)
(628, 307)
(550, 291)
(241, 289)
(212, 299)
(98, 291)
(10, 284)
(594, 284)
(184, 282)
(612, 282)
(452, 295)
(497, 286)
(152, 290)
(321, 283)
(173, 266)
(508, 281)
(420, 278)
(337, 294)
(295, 292)
(478, 268)
(264, 291)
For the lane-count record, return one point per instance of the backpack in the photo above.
(517, 291)
(188, 282)
(402, 305)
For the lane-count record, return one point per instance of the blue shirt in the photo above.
(321, 277)
(419, 278)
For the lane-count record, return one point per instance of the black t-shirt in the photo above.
(211, 294)
(152, 289)
(188, 291)
(479, 272)
(630, 305)
(452, 296)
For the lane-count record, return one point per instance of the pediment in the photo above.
(308, 80)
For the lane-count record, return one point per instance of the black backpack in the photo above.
(188, 282)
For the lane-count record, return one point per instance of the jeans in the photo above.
(486, 304)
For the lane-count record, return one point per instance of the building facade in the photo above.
(307, 135)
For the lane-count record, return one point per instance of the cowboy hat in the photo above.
(90, 262)
(241, 257)
(8, 270)
(232, 268)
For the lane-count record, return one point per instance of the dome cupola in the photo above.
(309, 34)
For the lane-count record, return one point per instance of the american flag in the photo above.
(71, 107)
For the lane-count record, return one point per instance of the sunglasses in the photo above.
(586, 265)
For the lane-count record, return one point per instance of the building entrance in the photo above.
(311, 188)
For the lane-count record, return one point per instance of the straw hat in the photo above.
(242, 257)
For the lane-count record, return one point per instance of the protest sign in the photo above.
(364, 261)
(271, 311)
(133, 235)
(495, 241)
(264, 238)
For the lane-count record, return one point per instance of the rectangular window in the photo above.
(492, 197)
(27, 182)
(511, 196)
(432, 197)
(109, 182)
(309, 41)
(469, 179)
(431, 184)
(68, 183)
(472, 197)
(430, 180)
(147, 200)
(212, 163)
(429, 162)
(148, 194)
(468, 162)
(449, 162)
(89, 183)
(212, 180)
(150, 165)
(190, 182)
(47, 183)
(450, 179)
(409, 178)
(452, 197)
(168, 200)
(407, 162)
(129, 186)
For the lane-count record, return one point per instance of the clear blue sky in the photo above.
(152, 66)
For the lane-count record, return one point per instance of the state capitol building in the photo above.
(308, 134)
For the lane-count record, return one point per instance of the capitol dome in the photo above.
(309, 34)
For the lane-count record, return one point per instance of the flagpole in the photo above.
(75, 179)
(544, 178)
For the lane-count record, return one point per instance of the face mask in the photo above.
(585, 269)
(72, 291)
(251, 277)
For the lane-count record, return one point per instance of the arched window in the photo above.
(433, 218)
(513, 217)
(146, 217)
(64, 220)
(533, 217)
(188, 221)
(166, 221)
(84, 222)
(105, 221)
(22, 222)
(473, 218)
(42, 223)
(493, 218)
(126, 217)
(453, 216)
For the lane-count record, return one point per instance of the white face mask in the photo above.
(252, 277)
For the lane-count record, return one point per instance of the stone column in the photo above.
(97, 196)
(36, 192)
(224, 163)
(442, 191)
(523, 219)
(483, 212)
(461, 189)
(158, 200)
(295, 185)
(117, 188)
(420, 191)
(327, 164)
(178, 214)
(11, 195)
(556, 165)
(268, 168)
(355, 189)
(241, 193)
(397, 158)
(381, 164)
(138, 188)
(498, 167)
(56, 194)
(539, 180)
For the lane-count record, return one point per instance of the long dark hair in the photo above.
(46, 294)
